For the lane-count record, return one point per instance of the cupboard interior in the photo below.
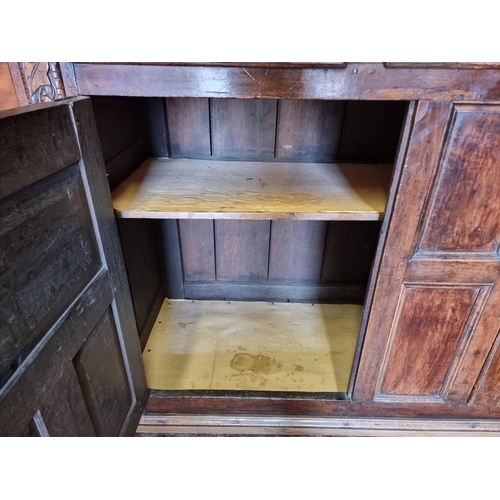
(256, 299)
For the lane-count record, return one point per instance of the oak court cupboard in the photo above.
(296, 248)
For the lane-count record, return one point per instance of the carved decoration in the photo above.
(42, 81)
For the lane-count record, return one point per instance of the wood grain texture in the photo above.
(242, 250)
(171, 259)
(22, 160)
(297, 249)
(8, 96)
(486, 392)
(349, 252)
(371, 131)
(100, 199)
(275, 291)
(286, 425)
(428, 131)
(425, 337)
(365, 81)
(48, 242)
(309, 131)
(143, 268)
(64, 411)
(184, 189)
(100, 369)
(25, 392)
(189, 127)
(198, 249)
(471, 164)
(243, 129)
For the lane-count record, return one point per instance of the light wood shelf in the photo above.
(209, 189)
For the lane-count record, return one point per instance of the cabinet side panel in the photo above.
(198, 252)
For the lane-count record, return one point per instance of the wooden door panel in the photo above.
(61, 272)
(40, 276)
(463, 217)
(101, 372)
(430, 325)
(434, 315)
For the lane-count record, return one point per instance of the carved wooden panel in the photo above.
(430, 323)
(42, 81)
(462, 215)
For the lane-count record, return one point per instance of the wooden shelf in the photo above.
(210, 189)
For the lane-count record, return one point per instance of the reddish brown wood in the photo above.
(370, 81)
(8, 96)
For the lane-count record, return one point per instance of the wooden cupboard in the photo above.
(370, 184)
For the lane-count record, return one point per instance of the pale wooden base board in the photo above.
(216, 345)
(298, 426)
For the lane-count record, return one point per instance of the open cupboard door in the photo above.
(70, 361)
(432, 334)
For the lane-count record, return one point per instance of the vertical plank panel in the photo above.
(64, 412)
(297, 249)
(371, 131)
(243, 128)
(242, 250)
(170, 259)
(141, 260)
(101, 372)
(188, 127)
(198, 254)
(309, 130)
(350, 249)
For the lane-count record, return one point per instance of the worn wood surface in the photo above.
(296, 252)
(365, 81)
(51, 251)
(98, 191)
(243, 129)
(21, 164)
(286, 425)
(101, 371)
(183, 189)
(189, 127)
(198, 249)
(272, 291)
(171, 259)
(234, 261)
(8, 96)
(309, 131)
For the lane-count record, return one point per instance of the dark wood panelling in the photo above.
(350, 249)
(188, 127)
(365, 81)
(100, 197)
(143, 268)
(309, 130)
(155, 126)
(473, 225)
(487, 392)
(40, 276)
(100, 369)
(243, 129)
(125, 162)
(371, 131)
(22, 160)
(242, 250)
(198, 252)
(425, 337)
(297, 249)
(170, 259)
(297, 292)
(23, 395)
(64, 411)
(118, 123)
